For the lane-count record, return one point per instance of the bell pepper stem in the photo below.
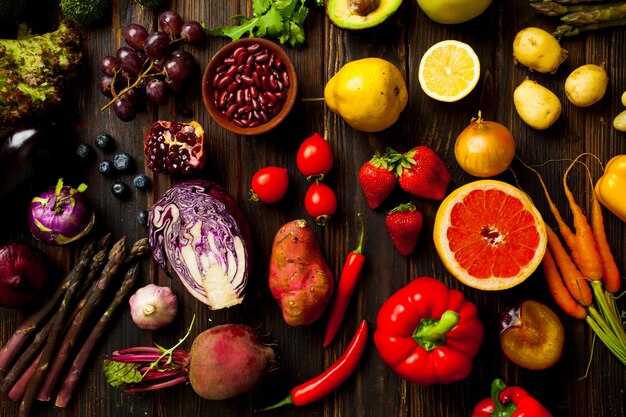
(431, 333)
(285, 401)
(501, 409)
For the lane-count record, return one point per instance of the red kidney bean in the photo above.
(270, 96)
(224, 82)
(232, 87)
(231, 70)
(256, 79)
(231, 111)
(239, 96)
(250, 86)
(223, 99)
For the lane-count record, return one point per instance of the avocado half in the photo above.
(360, 14)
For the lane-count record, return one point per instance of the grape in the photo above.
(156, 93)
(131, 95)
(192, 31)
(109, 65)
(179, 66)
(170, 22)
(135, 35)
(129, 60)
(124, 109)
(176, 87)
(157, 45)
(105, 85)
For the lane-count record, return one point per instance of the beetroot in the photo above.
(224, 362)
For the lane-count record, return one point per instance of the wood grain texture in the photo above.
(374, 390)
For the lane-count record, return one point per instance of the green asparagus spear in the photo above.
(569, 30)
(71, 380)
(607, 14)
(552, 8)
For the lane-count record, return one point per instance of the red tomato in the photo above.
(320, 202)
(269, 184)
(315, 156)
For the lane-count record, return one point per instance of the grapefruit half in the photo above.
(489, 235)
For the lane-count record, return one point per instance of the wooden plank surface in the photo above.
(374, 390)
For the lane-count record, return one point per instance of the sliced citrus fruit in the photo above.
(449, 70)
(489, 235)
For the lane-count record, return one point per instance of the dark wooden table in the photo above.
(374, 390)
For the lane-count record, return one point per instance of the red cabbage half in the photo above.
(199, 229)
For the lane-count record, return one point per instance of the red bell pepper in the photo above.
(428, 333)
(509, 402)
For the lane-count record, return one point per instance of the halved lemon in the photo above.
(449, 70)
(489, 235)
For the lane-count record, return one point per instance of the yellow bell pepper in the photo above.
(611, 187)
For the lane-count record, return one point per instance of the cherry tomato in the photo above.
(269, 184)
(315, 156)
(320, 202)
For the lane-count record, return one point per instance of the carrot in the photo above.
(587, 257)
(558, 290)
(568, 236)
(572, 277)
(610, 274)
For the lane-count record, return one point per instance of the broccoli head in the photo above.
(85, 12)
(152, 4)
(33, 71)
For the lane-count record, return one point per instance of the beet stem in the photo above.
(153, 387)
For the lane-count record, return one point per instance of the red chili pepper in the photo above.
(509, 402)
(331, 378)
(428, 333)
(349, 276)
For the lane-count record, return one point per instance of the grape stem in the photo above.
(144, 74)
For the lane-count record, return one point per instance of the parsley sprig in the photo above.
(278, 19)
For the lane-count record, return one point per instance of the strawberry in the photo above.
(421, 172)
(404, 224)
(377, 178)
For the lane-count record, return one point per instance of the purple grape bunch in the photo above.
(150, 65)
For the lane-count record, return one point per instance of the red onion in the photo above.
(23, 274)
(60, 215)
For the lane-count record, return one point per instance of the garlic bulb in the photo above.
(153, 307)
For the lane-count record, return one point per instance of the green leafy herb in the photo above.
(279, 19)
(118, 373)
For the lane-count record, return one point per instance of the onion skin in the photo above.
(24, 273)
(60, 215)
(484, 148)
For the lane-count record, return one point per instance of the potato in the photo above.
(586, 85)
(299, 277)
(538, 50)
(619, 123)
(536, 105)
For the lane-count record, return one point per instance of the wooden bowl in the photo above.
(209, 87)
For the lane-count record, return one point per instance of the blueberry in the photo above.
(141, 182)
(142, 217)
(122, 162)
(84, 152)
(106, 167)
(120, 189)
(104, 141)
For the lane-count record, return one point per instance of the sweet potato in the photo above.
(299, 277)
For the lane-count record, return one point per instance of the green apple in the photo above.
(453, 11)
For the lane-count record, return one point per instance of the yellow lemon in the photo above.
(449, 70)
(369, 94)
